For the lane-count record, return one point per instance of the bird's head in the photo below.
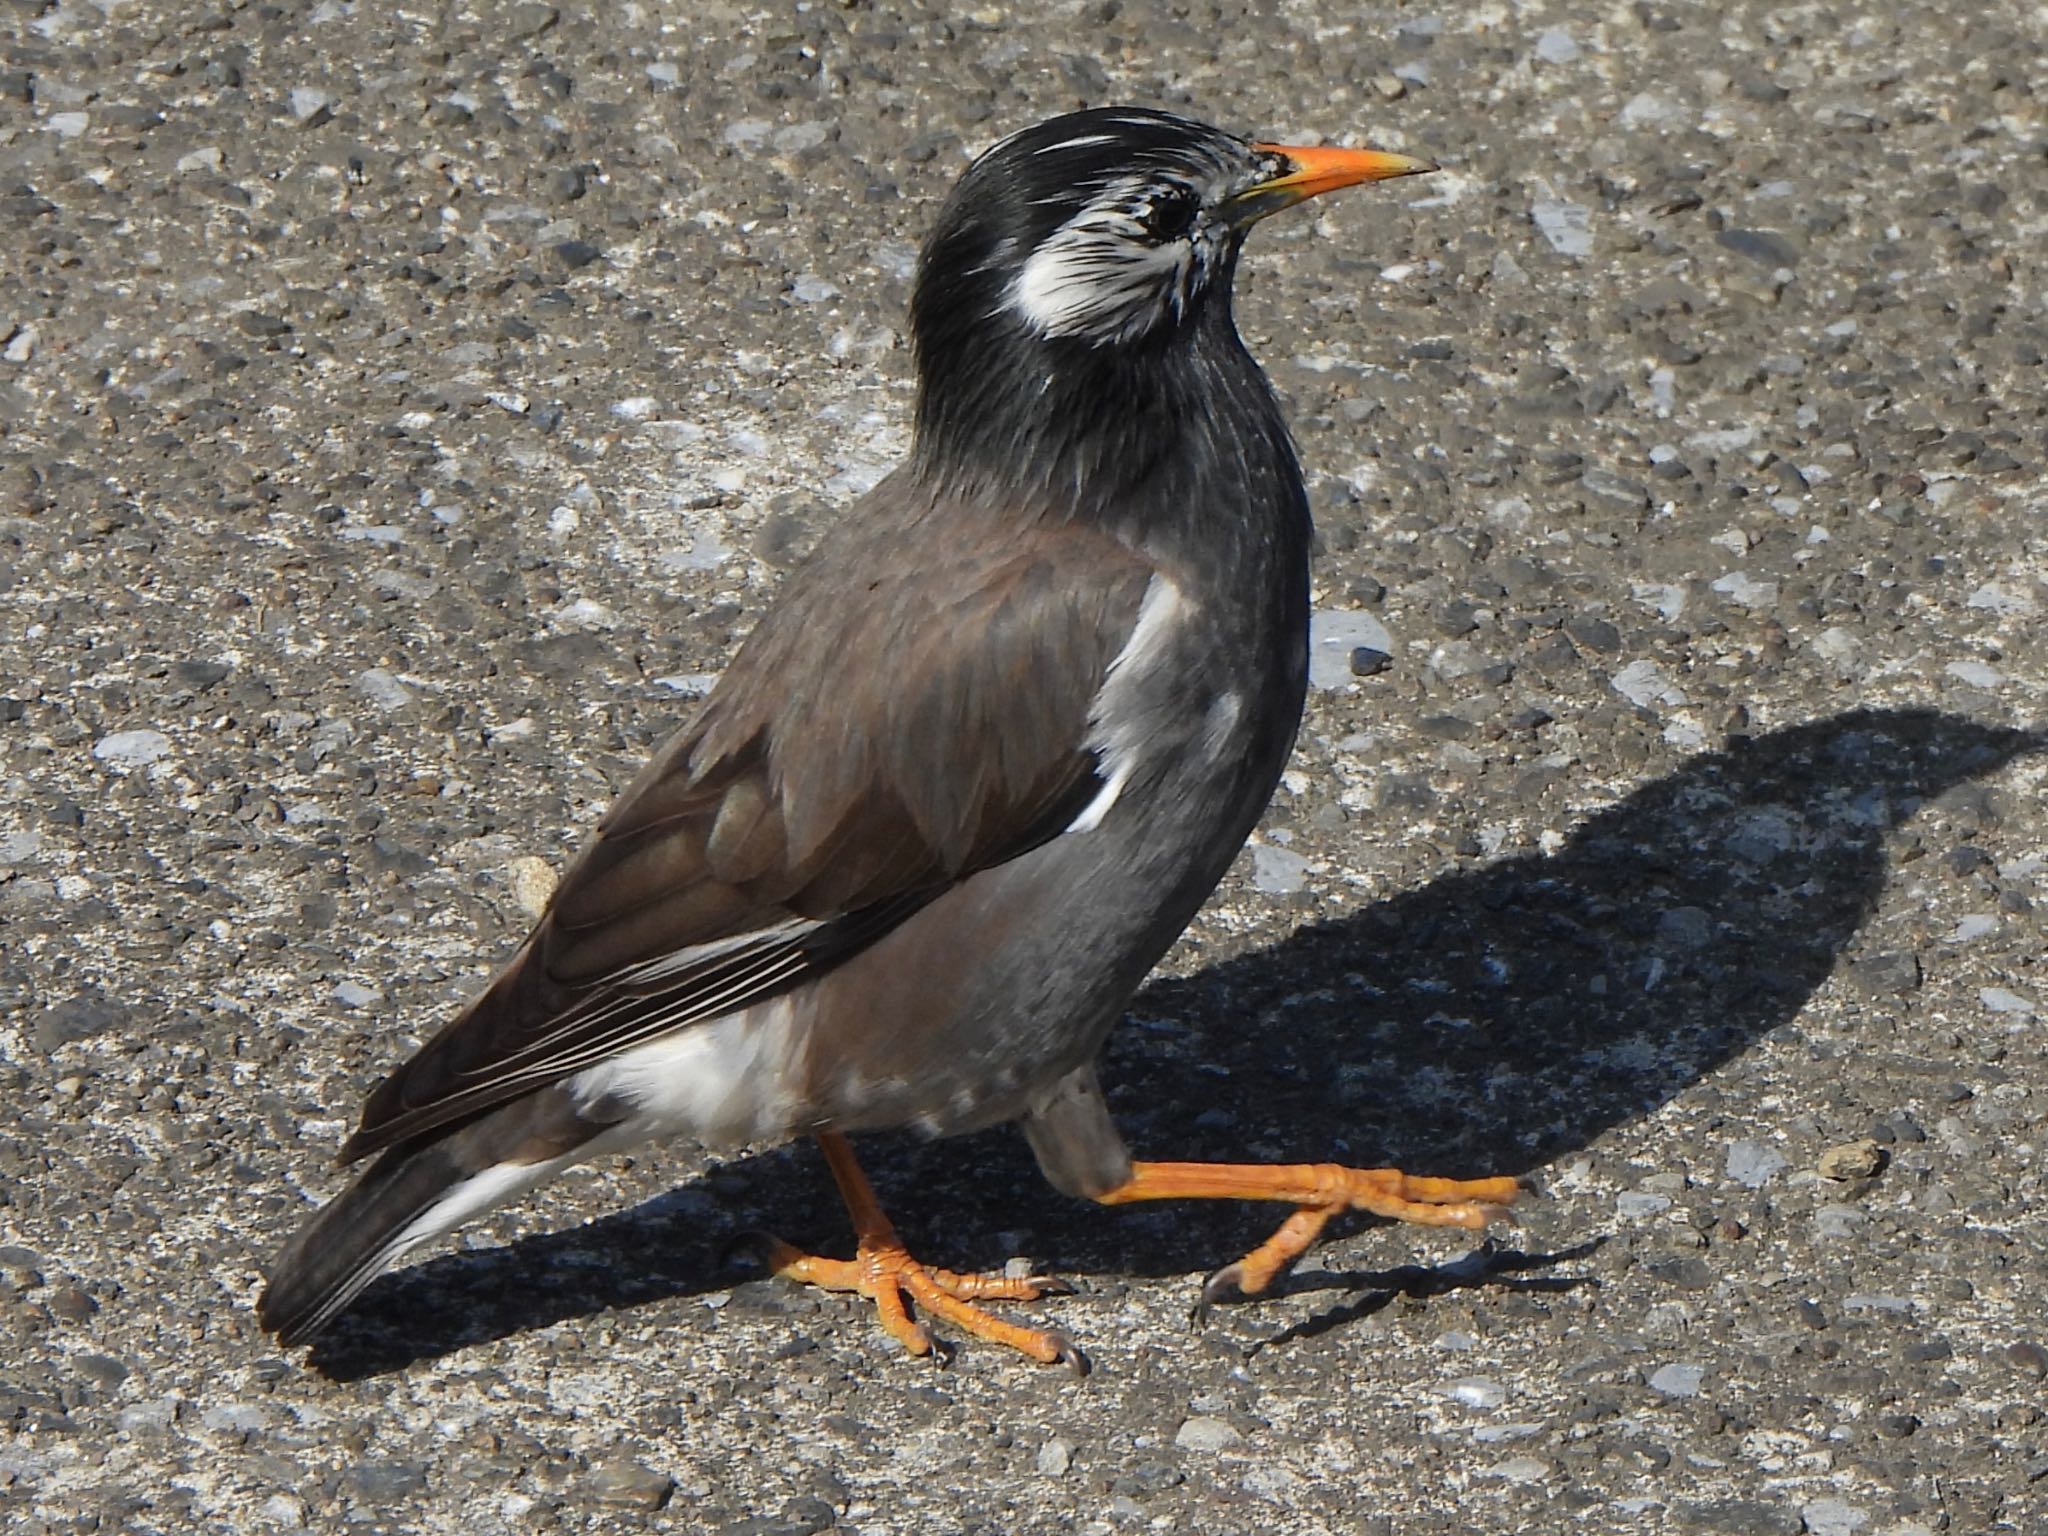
(1110, 227)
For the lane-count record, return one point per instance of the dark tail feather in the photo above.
(354, 1238)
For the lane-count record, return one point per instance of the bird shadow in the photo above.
(1488, 1022)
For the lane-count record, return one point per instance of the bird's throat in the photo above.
(1119, 434)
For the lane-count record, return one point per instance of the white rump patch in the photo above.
(717, 1083)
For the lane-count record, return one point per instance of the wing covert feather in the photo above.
(863, 751)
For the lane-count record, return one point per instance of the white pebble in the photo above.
(383, 689)
(1567, 226)
(1054, 1457)
(131, 749)
(1477, 1392)
(1678, 1380)
(1204, 1433)
(1753, 1165)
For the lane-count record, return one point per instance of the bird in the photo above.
(962, 787)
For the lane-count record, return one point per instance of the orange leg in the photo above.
(885, 1273)
(1318, 1191)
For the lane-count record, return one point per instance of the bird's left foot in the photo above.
(1318, 1191)
(887, 1275)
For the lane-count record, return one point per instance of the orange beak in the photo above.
(1315, 169)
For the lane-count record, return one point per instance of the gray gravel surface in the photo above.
(403, 409)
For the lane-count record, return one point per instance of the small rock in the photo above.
(1593, 634)
(1753, 1165)
(1974, 674)
(1644, 683)
(383, 689)
(1477, 1392)
(532, 881)
(1885, 975)
(1677, 1380)
(1520, 1469)
(384, 1482)
(1838, 1222)
(625, 1482)
(1204, 1433)
(353, 994)
(1999, 1000)
(2028, 1357)
(311, 107)
(1833, 1517)
(1333, 634)
(1568, 227)
(1278, 871)
(1055, 1456)
(1764, 246)
(1852, 1160)
(78, 1018)
(576, 254)
(1367, 662)
(131, 749)
(528, 19)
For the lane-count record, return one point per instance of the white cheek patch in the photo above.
(1098, 278)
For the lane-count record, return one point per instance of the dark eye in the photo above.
(1171, 213)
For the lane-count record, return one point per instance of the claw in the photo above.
(1069, 1354)
(749, 1246)
(1220, 1289)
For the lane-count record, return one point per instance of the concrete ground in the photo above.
(404, 409)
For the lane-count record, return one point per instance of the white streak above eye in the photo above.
(1083, 142)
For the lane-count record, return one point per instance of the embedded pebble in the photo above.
(383, 689)
(1056, 1455)
(2000, 1000)
(1833, 1517)
(1477, 1392)
(1278, 871)
(131, 749)
(1333, 634)
(1837, 1223)
(1852, 1160)
(532, 881)
(1567, 226)
(627, 1484)
(1206, 1433)
(1752, 1164)
(1645, 683)
(1678, 1380)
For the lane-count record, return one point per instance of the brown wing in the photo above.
(913, 709)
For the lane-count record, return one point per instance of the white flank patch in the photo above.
(1116, 734)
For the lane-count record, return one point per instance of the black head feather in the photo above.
(1072, 320)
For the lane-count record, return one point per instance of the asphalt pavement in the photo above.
(405, 410)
